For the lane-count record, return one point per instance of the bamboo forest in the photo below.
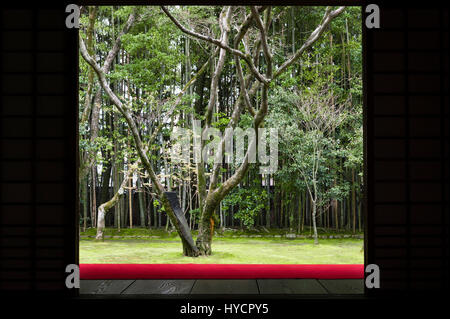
(202, 122)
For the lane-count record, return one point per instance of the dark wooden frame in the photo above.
(406, 148)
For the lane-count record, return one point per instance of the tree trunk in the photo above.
(84, 195)
(105, 207)
(130, 193)
(353, 202)
(300, 208)
(359, 213)
(106, 176)
(142, 205)
(130, 201)
(179, 221)
(94, 195)
(304, 211)
(205, 233)
(314, 213)
(268, 201)
(281, 209)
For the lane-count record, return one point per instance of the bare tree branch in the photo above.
(245, 26)
(220, 44)
(265, 45)
(327, 18)
(113, 52)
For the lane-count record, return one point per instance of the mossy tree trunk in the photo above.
(105, 207)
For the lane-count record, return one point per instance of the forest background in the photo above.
(165, 77)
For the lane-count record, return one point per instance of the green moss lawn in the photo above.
(166, 248)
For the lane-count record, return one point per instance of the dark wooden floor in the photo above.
(223, 287)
